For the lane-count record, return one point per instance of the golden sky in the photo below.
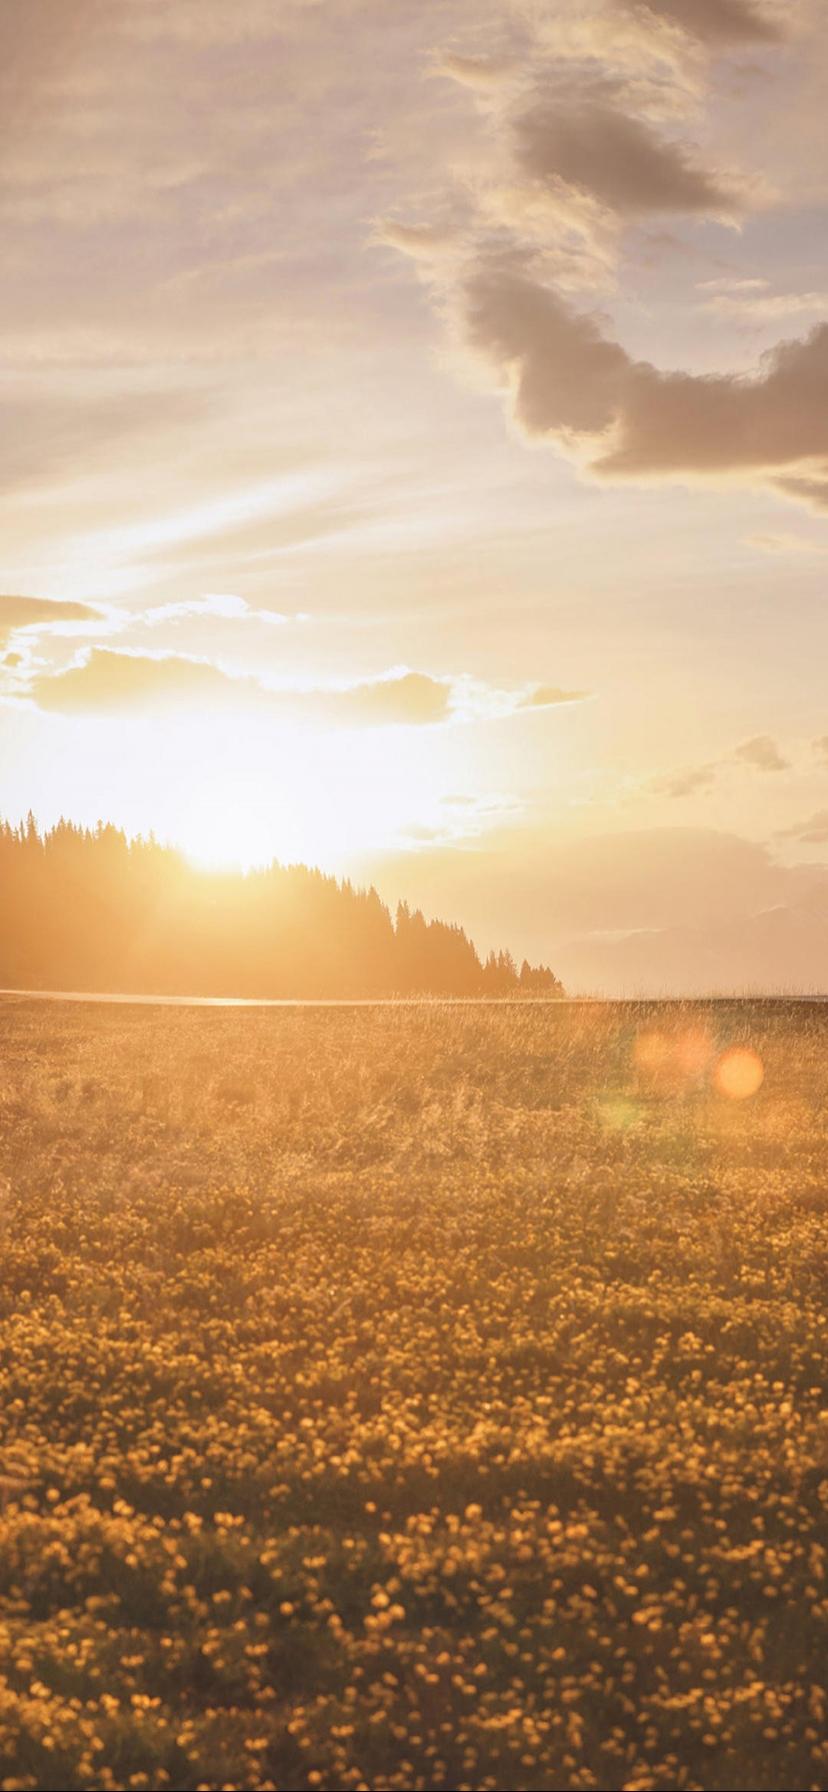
(415, 457)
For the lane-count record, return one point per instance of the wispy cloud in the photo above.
(692, 782)
(760, 754)
(785, 541)
(225, 606)
(813, 832)
(753, 301)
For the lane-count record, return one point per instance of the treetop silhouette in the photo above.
(90, 909)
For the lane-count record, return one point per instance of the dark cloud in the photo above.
(569, 375)
(574, 383)
(813, 492)
(621, 161)
(715, 21)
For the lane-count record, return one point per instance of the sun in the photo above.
(305, 797)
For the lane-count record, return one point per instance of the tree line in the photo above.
(91, 909)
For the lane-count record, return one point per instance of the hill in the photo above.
(94, 910)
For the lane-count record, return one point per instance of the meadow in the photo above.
(413, 1397)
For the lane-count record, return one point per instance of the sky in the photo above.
(415, 458)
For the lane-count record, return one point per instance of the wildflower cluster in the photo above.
(413, 1398)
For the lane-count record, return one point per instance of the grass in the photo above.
(422, 1397)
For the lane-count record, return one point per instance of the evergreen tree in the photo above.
(89, 909)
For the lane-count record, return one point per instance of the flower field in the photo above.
(413, 1397)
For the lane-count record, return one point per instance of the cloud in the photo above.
(813, 492)
(813, 832)
(224, 605)
(821, 748)
(689, 783)
(782, 541)
(574, 384)
(548, 696)
(422, 242)
(42, 613)
(108, 681)
(751, 301)
(622, 161)
(474, 71)
(763, 754)
(714, 21)
(567, 376)
(411, 697)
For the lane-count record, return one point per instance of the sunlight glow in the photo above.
(316, 797)
(669, 1063)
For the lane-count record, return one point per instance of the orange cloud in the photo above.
(548, 696)
(109, 681)
(40, 612)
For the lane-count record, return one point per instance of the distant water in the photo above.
(87, 995)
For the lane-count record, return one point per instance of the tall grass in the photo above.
(413, 1398)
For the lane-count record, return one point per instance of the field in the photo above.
(413, 1397)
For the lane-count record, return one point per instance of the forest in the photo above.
(91, 909)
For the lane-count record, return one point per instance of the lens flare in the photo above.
(739, 1073)
(672, 1063)
(650, 1051)
(617, 1115)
